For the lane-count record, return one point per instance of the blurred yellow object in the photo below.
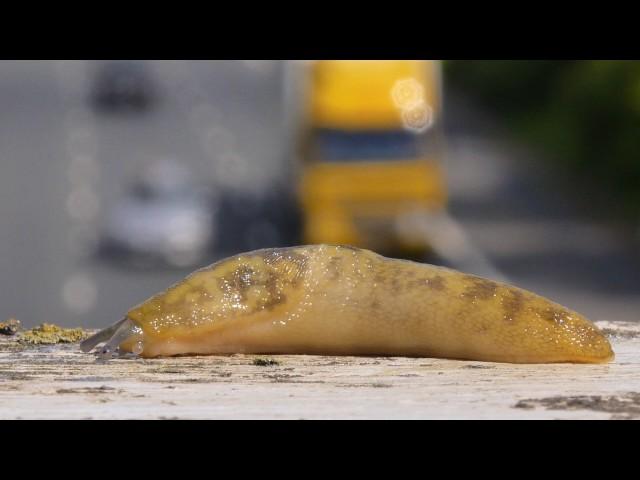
(357, 203)
(357, 94)
(371, 152)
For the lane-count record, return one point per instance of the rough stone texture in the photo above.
(58, 381)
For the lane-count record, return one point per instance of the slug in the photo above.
(340, 300)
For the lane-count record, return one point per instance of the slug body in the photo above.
(339, 300)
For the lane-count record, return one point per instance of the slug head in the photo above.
(253, 285)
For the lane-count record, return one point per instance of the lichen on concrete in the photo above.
(47, 334)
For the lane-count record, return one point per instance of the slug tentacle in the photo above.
(119, 339)
(103, 335)
(339, 300)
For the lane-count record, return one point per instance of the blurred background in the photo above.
(118, 178)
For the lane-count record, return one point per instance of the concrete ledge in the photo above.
(61, 382)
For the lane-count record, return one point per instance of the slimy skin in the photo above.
(338, 300)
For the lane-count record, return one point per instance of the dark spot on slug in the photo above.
(275, 295)
(554, 315)
(237, 281)
(480, 289)
(512, 303)
(273, 301)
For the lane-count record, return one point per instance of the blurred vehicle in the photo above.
(120, 85)
(370, 145)
(166, 218)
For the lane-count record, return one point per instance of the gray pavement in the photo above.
(62, 166)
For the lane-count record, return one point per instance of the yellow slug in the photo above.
(339, 300)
